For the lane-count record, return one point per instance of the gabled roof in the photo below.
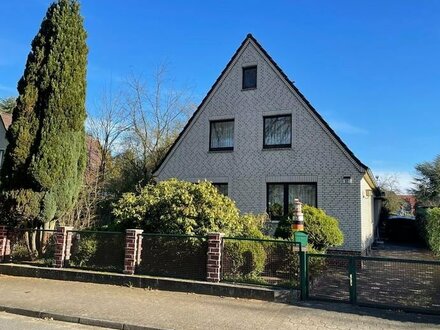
(248, 38)
(6, 119)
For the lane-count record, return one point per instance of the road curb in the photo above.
(75, 319)
(151, 282)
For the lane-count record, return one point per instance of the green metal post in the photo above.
(303, 274)
(302, 239)
(353, 278)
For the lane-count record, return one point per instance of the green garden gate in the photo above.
(412, 285)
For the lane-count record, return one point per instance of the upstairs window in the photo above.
(250, 77)
(277, 131)
(221, 135)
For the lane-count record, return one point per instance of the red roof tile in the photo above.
(6, 119)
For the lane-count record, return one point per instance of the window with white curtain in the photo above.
(277, 131)
(280, 197)
(221, 135)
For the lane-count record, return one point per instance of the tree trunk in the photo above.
(33, 244)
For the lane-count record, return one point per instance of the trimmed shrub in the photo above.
(85, 251)
(180, 207)
(245, 259)
(433, 229)
(323, 230)
(98, 251)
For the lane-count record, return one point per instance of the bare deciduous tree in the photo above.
(105, 129)
(157, 112)
(389, 184)
(107, 126)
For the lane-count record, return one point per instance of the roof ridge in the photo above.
(303, 98)
(249, 36)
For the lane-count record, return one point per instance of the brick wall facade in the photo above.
(315, 156)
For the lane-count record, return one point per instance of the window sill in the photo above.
(248, 89)
(220, 151)
(277, 148)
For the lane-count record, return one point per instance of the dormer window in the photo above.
(250, 77)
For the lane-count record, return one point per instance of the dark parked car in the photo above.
(401, 229)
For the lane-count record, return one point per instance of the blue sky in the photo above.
(371, 68)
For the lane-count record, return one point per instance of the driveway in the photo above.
(394, 283)
(403, 251)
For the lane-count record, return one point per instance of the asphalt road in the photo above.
(17, 322)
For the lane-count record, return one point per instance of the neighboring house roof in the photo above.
(411, 199)
(93, 151)
(6, 119)
(250, 38)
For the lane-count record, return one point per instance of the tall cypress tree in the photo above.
(46, 157)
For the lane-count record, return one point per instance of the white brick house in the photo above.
(257, 136)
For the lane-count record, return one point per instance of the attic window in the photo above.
(347, 179)
(250, 77)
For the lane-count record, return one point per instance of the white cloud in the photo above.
(344, 127)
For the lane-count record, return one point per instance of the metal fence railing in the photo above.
(399, 283)
(97, 250)
(262, 262)
(412, 285)
(32, 246)
(328, 277)
(180, 256)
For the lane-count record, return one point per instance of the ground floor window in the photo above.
(280, 197)
(222, 188)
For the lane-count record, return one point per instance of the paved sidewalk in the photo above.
(17, 322)
(173, 310)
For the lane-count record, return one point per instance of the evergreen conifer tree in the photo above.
(45, 161)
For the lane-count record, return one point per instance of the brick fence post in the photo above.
(133, 249)
(61, 245)
(4, 243)
(215, 249)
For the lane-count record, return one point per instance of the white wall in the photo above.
(367, 214)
